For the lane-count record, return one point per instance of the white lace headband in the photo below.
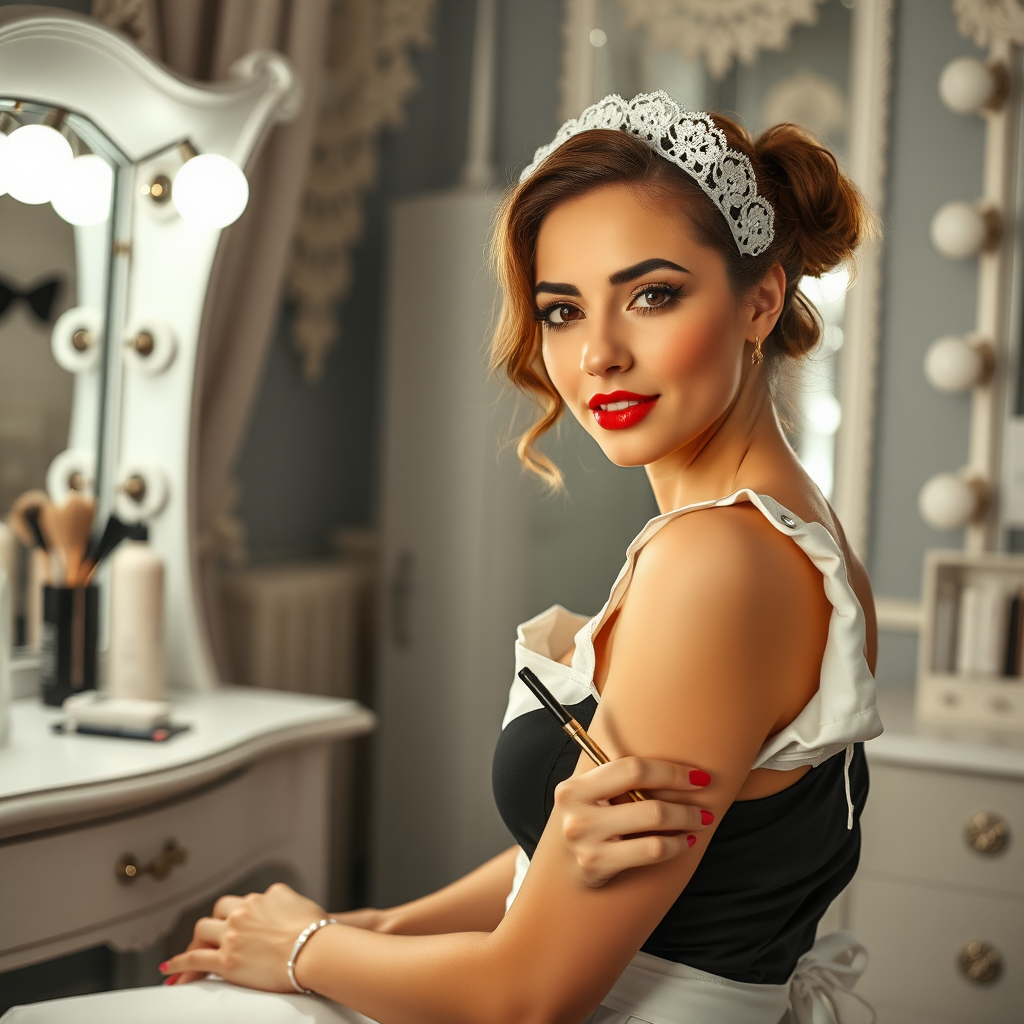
(694, 143)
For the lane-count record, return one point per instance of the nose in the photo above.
(604, 353)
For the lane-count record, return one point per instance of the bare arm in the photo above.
(702, 669)
(474, 903)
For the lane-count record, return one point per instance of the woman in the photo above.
(650, 260)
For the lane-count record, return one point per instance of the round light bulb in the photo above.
(947, 502)
(37, 158)
(3, 163)
(210, 190)
(83, 195)
(966, 85)
(959, 230)
(951, 364)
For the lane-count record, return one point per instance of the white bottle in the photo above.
(5, 657)
(135, 663)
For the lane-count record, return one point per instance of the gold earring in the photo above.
(756, 356)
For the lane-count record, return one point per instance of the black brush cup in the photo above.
(70, 621)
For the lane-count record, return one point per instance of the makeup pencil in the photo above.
(569, 724)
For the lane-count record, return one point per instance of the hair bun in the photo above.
(820, 219)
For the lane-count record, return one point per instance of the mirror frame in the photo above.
(160, 266)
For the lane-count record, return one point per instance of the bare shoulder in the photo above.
(730, 551)
(722, 597)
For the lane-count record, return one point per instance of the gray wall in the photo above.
(309, 461)
(935, 156)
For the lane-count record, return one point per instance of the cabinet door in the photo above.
(914, 934)
(914, 828)
(452, 554)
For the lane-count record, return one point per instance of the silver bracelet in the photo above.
(297, 948)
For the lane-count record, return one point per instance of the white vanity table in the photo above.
(245, 787)
(939, 904)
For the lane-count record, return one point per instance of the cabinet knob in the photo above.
(979, 962)
(128, 868)
(987, 832)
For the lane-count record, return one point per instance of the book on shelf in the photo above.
(978, 630)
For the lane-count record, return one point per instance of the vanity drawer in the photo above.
(914, 935)
(65, 881)
(914, 827)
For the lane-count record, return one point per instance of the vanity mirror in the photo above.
(57, 214)
(120, 175)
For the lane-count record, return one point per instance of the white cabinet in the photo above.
(939, 896)
(245, 788)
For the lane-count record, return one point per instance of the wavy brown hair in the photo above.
(820, 218)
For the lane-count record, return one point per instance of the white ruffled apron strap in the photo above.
(820, 988)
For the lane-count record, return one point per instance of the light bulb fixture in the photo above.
(37, 157)
(950, 501)
(960, 229)
(969, 86)
(954, 364)
(83, 194)
(210, 190)
(159, 189)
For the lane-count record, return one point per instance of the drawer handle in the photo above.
(979, 962)
(128, 868)
(987, 833)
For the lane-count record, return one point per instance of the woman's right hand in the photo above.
(607, 838)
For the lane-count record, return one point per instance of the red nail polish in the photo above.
(706, 817)
(163, 966)
(699, 778)
(690, 840)
(171, 980)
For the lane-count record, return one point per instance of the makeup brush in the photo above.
(570, 725)
(74, 517)
(52, 529)
(24, 519)
(99, 547)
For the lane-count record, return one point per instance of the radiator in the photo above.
(298, 626)
(307, 627)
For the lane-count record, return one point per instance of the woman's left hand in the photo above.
(248, 940)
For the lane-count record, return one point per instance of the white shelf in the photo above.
(962, 747)
(49, 779)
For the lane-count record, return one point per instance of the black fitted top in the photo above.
(769, 873)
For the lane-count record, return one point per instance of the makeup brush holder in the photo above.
(68, 648)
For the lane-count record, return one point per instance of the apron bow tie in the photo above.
(819, 991)
(39, 299)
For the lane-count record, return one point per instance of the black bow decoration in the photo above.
(39, 299)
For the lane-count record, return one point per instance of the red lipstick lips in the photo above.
(621, 409)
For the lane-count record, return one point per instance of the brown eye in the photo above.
(651, 299)
(563, 314)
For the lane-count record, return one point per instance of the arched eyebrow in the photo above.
(555, 288)
(619, 277)
(644, 267)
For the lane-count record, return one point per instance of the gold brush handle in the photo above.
(594, 752)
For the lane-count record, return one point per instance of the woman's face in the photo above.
(642, 334)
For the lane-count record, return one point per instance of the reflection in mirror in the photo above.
(806, 82)
(56, 187)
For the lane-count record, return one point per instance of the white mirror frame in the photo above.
(870, 84)
(160, 266)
